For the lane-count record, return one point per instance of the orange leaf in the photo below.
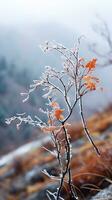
(91, 86)
(58, 114)
(91, 64)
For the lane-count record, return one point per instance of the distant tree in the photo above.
(105, 54)
(3, 75)
(12, 70)
(3, 112)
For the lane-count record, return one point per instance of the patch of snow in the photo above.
(22, 150)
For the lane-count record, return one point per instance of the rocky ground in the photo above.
(21, 176)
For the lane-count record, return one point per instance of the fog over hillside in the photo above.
(21, 44)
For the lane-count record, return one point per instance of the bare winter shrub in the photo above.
(76, 75)
(103, 32)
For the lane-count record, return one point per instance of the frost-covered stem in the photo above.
(54, 86)
(72, 190)
(57, 146)
(71, 110)
(67, 168)
(67, 147)
(65, 95)
(65, 56)
(85, 126)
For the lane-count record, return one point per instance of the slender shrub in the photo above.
(77, 77)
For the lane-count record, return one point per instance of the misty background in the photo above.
(24, 25)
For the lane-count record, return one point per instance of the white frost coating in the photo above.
(21, 151)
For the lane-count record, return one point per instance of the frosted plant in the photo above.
(77, 76)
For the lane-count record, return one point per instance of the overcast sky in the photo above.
(78, 13)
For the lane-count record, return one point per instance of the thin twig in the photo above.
(85, 127)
